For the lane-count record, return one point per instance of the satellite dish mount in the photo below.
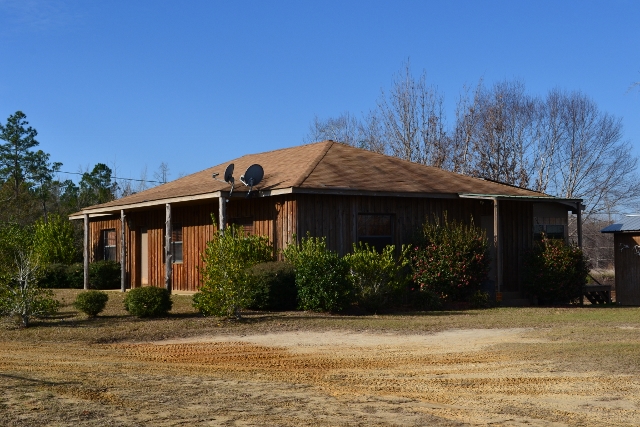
(251, 177)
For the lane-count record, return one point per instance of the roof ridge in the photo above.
(314, 164)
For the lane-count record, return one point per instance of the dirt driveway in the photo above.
(460, 377)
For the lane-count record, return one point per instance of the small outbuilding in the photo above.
(626, 238)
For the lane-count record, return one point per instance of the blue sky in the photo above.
(196, 83)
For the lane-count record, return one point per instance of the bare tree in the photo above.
(344, 128)
(593, 162)
(412, 115)
(495, 131)
(162, 174)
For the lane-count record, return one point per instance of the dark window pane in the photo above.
(109, 244)
(375, 230)
(177, 251)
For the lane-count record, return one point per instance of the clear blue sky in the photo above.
(196, 83)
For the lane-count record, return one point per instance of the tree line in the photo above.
(559, 144)
(30, 186)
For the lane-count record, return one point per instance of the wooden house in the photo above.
(326, 189)
(626, 243)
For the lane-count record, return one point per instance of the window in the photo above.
(550, 230)
(246, 224)
(109, 244)
(375, 230)
(176, 243)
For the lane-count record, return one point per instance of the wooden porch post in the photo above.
(86, 251)
(222, 204)
(579, 223)
(123, 254)
(498, 244)
(168, 255)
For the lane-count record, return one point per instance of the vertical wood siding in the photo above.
(273, 217)
(336, 218)
(281, 217)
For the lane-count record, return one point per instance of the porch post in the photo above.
(498, 244)
(86, 251)
(222, 204)
(579, 223)
(168, 255)
(123, 254)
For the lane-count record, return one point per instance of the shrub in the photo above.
(321, 275)
(451, 260)
(555, 272)
(275, 286)
(227, 287)
(104, 274)
(424, 300)
(54, 276)
(75, 275)
(91, 302)
(148, 302)
(480, 299)
(376, 277)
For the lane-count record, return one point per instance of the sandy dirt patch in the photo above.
(468, 377)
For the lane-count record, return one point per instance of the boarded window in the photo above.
(376, 230)
(109, 244)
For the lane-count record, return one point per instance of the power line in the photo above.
(116, 177)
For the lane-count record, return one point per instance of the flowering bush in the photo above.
(555, 272)
(451, 260)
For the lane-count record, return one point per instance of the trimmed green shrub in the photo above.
(104, 274)
(451, 260)
(227, 287)
(555, 272)
(321, 275)
(275, 286)
(377, 278)
(148, 302)
(91, 302)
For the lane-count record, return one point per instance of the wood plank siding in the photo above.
(627, 266)
(336, 217)
(282, 217)
(273, 217)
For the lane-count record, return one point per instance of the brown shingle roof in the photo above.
(325, 166)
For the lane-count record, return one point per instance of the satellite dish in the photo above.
(228, 174)
(252, 176)
(228, 177)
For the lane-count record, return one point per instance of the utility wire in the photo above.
(116, 177)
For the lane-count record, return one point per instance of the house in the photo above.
(325, 189)
(626, 243)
